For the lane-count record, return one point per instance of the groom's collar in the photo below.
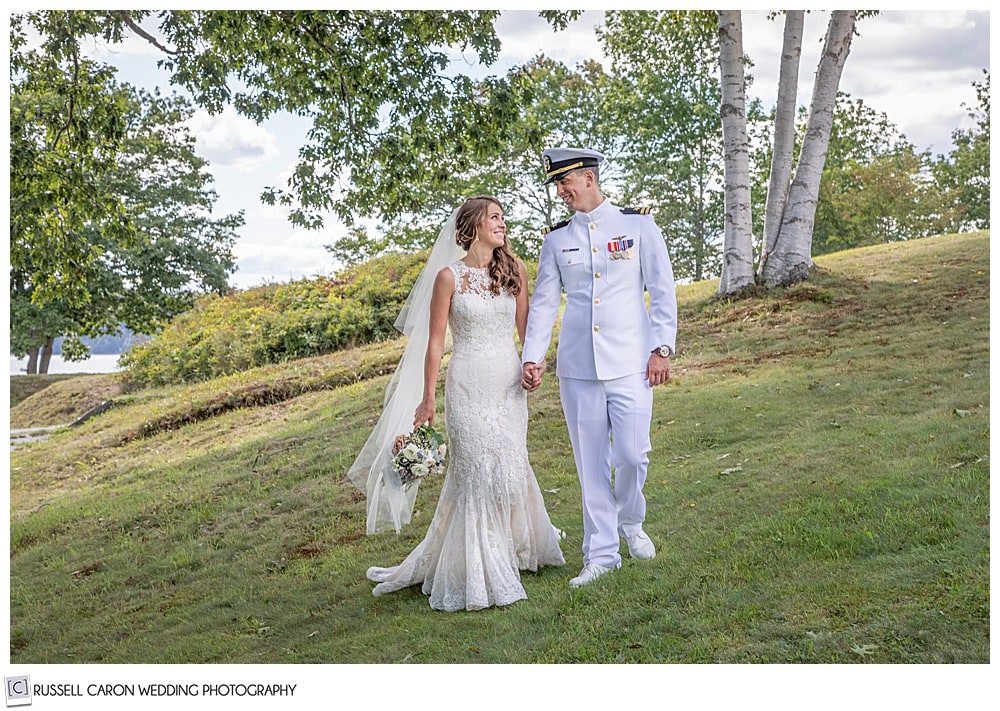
(586, 217)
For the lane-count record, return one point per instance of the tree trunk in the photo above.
(45, 355)
(791, 258)
(737, 251)
(783, 149)
(32, 367)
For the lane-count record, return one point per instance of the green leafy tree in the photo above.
(557, 109)
(394, 132)
(67, 127)
(389, 124)
(876, 187)
(34, 326)
(184, 250)
(888, 198)
(126, 239)
(965, 172)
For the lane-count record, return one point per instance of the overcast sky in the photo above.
(917, 67)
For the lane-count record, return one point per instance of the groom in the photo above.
(612, 349)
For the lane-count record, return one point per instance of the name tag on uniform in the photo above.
(621, 248)
(567, 254)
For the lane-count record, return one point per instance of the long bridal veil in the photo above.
(390, 504)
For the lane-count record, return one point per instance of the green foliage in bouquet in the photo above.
(276, 323)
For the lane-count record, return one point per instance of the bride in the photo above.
(490, 522)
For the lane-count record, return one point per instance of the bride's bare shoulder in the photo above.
(445, 279)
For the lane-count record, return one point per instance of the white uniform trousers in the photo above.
(608, 422)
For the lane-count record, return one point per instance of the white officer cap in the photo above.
(560, 161)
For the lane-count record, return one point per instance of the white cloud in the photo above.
(271, 249)
(525, 35)
(916, 67)
(278, 253)
(229, 140)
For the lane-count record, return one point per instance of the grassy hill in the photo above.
(818, 490)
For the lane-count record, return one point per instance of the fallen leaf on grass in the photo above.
(86, 570)
(864, 650)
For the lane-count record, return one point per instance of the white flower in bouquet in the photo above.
(418, 454)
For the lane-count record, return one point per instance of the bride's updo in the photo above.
(503, 266)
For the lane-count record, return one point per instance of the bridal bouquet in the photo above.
(418, 454)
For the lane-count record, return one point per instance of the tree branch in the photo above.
(127, 19)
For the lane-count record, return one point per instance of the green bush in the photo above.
(276, 323)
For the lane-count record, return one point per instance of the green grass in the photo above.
(49, 400)
(819, 493)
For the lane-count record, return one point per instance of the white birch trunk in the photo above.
(791, 258)
(783, 149)
(737, 251)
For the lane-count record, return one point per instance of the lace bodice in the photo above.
(480, 321)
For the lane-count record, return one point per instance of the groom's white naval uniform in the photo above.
(604, 261)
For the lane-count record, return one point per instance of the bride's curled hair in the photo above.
(504, 275)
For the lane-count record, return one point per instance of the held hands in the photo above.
(531, 375)
(657, 370)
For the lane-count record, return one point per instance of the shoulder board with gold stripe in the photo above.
(556, 226)
(636, 210)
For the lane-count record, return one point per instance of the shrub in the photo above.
(276, 323)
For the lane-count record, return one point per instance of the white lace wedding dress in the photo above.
(490, 522)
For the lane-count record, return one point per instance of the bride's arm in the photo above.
(521, 315)
(444, 288)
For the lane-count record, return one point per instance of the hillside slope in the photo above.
(819, 492)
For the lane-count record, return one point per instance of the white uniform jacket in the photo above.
(607, 331)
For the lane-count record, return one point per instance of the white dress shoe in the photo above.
(590, 573)
(639, 546)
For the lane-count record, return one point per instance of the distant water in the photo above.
(106, 363)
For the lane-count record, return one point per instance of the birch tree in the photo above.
(791, 257)
(783, 148)
(792, 197)
(737, 249)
